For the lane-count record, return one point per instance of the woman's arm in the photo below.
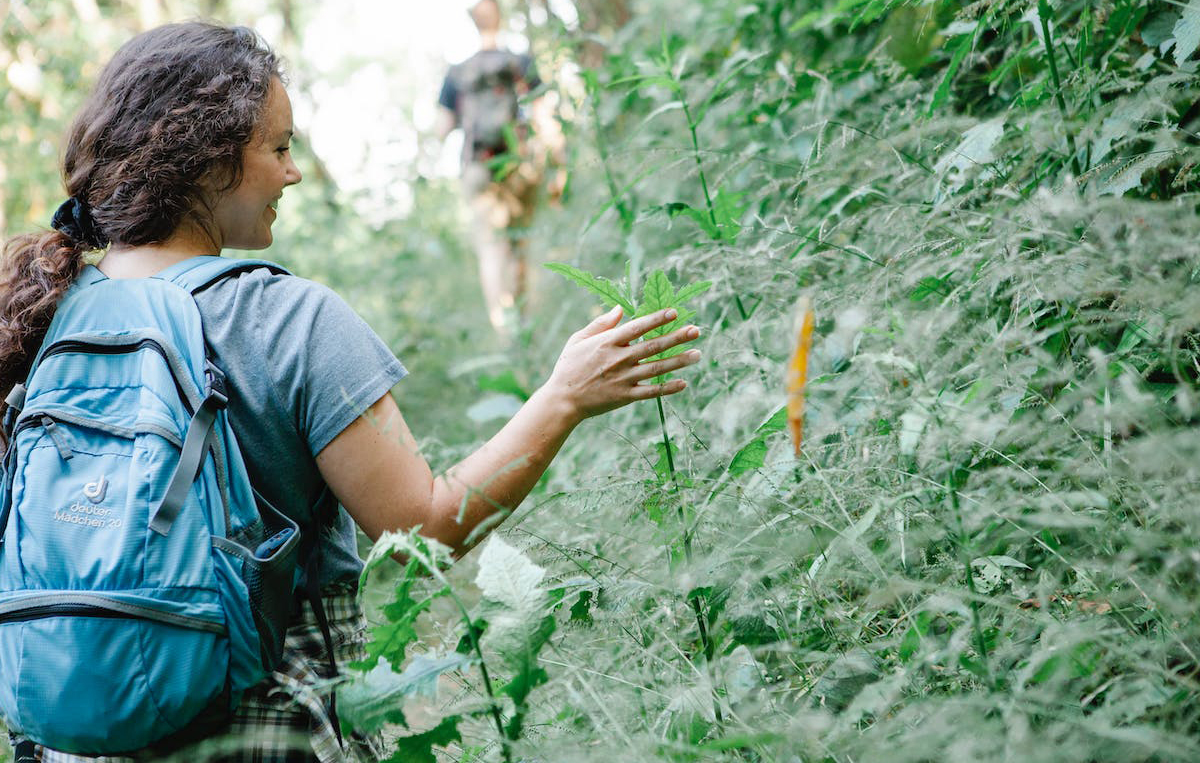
(378, 474)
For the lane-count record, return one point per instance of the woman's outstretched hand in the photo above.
(376, 470)
(603, 366)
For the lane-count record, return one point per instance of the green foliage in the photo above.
(419, 747)
(608, 292)
(657, 294)
(513, 622)
(377, 696)
(516, 609)
(753, 454)
(985, 549)
(981, 551)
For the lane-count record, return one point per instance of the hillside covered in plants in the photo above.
(933, 493)
(985, 546)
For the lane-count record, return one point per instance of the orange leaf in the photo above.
(797, 371)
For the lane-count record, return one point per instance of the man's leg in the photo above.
(499, 272)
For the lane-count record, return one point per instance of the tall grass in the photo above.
(987, 547)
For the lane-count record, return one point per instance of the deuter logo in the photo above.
(94, 491)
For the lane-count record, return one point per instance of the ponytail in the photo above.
(35, 270)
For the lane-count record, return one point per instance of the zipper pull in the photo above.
(59, 437)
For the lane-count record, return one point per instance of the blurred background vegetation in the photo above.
(987, 548)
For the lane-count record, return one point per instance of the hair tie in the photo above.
(74, 219)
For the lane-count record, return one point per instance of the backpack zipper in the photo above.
(91, 605)
(58, 437)
(93, 348)
(58, 417)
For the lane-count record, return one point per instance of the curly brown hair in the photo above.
(163, 130)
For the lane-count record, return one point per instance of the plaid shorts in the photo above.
(284, 719)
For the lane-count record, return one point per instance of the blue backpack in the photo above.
(144, 584)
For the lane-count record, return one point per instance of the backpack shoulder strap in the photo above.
(198, 273)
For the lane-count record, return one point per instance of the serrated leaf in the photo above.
(657, 293)
(752, 456)
(427, 552)
(699, 216)
(517, 609)
(508, 577)
(692, 290)
(704, 220)
(391, 639)
(419, 747)
(608, 292)
(527, 674)
(515, 604)
(370, 700)
(1187, 32)
(728, 213)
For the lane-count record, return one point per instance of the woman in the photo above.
(183, 150)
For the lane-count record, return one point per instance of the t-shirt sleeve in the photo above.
(449, 95)
(529, 72)
(327, 365)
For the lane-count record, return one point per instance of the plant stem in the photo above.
(1058, 96)
(483, 671)
(687, 114)
(976, 621)
(698, 607)
(602, 147)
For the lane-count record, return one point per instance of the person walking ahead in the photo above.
(183, 150)
(482, 96)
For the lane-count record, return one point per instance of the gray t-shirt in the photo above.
(300, 367)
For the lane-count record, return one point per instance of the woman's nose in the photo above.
(292, 173)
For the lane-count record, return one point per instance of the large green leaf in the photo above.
(608, 292)
(419, 747)
(727, 211)
(517, 608)
(657, 293)
(1187, 32)
(370, 700)
(391, 639)
(753, 455)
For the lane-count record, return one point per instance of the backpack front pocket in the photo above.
(86, 665)
(88, 528)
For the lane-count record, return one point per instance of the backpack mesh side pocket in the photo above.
(270, 575)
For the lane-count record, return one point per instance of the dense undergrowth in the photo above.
(987, 547)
